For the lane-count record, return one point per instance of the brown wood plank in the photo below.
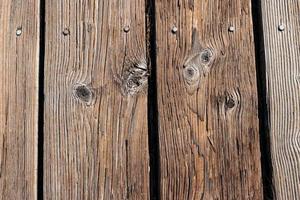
(282, 52)
(19, 49)
(96, 134)
(207, 100)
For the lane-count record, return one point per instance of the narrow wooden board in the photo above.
(282, 53)
(19, 62)
(96, 134)
(207, 100)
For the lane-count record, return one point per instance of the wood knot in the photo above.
(231, 99)
(197, 66)
(206, 56)
(83, 93)
(134, 78)
(191, 74)
(229, 102)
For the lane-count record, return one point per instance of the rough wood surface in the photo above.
(19, 49)
(282, 52)
(96, 135)
(207, 100)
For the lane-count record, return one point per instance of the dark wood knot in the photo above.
(229, 102)
(206, 56)
(83, 93)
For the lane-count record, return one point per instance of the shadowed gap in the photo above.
(153, 135)
(40, 166)
(266, 163)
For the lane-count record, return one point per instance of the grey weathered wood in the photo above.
(19, 49)
(282, 52)
(207, 100)
(96, 144)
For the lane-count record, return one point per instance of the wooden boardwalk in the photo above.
(149, 99)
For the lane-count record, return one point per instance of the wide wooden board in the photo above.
(207, 100)
(96, 135)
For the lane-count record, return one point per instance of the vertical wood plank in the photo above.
(19, 49)
(282, 51)
(207, 100)
(96, 134)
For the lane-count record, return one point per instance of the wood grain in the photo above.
(19, 62)
(207, 100)
(96, 135)
(282, 52)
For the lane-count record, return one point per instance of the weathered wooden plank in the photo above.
(282, 51)
(207, 100)
(19, 49)
(96, 144)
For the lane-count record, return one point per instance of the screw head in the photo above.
(231, 29)
(174, 29)
(281, 27)
(19, 31)
(126, 29)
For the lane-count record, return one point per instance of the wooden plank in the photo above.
(282, 41)
(19, 49)
(207, 100)
(96, 134)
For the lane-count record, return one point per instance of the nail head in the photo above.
(19, 31)
(126, 29)
(231, 29)
(66, 32)
(281, 27)
(174, 29)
